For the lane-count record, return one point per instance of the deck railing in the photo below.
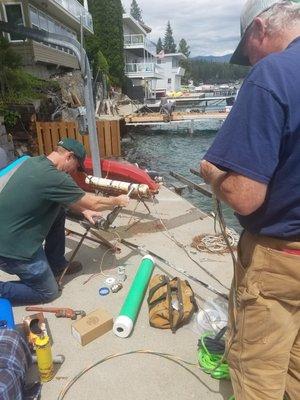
(78, 11)
(139, 40)
(135, 68)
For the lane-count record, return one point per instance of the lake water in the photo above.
(176, 150)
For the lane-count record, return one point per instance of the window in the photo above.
(169, 80)
(51, 26)
(14, 16)
(43, 22)
(34, 17)
(175, 63)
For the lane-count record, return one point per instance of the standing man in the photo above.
(31, 196)
(253, 166)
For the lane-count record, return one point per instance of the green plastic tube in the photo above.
(124, 323)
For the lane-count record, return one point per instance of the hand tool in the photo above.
(100, 223)
(105, 223)
(60, 312)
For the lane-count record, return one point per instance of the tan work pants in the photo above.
(264, 335)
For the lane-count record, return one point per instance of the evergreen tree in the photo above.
(184, 48)
(169, 42)
(213, 72)
(159, 46)
(108, 37)
(135, 11)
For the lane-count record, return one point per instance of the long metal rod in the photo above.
(61, 278)
(204, 189)
(72, 44)
(180, 270)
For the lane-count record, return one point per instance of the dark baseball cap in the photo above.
(76, 148)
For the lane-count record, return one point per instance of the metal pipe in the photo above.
(202, 188)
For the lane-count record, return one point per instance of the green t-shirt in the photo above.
(29, 204)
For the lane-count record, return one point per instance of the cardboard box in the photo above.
(94, 325)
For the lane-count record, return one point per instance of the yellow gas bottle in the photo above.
(44, 358)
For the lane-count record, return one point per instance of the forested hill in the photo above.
(220, 59)
(213, 72)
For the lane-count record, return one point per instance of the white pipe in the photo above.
(125, 187)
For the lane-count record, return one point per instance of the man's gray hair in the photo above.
(281, 16)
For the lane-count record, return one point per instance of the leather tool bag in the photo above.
(171, 302)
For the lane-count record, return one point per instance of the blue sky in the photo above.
(211, 27)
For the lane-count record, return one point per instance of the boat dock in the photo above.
(177, 118)
(172, 222)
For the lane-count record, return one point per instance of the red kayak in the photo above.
(120, 171)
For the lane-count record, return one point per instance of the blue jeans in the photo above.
(37, 283)
(55, 244)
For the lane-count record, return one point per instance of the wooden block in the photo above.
(101, 141)
(55, 135)
(47, 138)
(115, 138)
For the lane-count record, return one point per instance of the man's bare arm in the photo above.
(99, 203)
(242, 194)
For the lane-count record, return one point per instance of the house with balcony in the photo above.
(171, 71)
(140, 59)
(64, 17)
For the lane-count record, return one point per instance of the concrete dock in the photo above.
(137, 376)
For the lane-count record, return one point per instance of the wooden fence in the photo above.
(50, 133)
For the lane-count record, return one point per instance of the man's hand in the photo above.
(210, 173)
(122, 200)
(90, 214)
(242, 194)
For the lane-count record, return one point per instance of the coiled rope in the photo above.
(210, 355)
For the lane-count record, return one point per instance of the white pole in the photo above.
(191, 130)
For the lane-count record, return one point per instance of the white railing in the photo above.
(78, 11)
(139, 40)
(136, 68)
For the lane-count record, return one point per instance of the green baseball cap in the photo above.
(251, 10)
(76, 148)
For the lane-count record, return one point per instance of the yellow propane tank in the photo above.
(44, 358)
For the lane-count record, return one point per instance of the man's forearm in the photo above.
(99, 203)
(106, 203)
(95, 203)
(216, 188)
(241, 194)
